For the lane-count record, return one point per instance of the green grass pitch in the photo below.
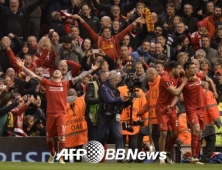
(104, 166)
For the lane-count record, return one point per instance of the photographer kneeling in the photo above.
(110, 108)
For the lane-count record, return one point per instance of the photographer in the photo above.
(110, 108)
(131, 125)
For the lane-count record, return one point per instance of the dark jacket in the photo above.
(191, 22)
(4, 116)
(123, 7)
(23, 14)
(58, 26)
(111, 96)
(37, 112)
(157, 6)
(89, 96)
(25, 87)
(214, 44)
(172, 40)
(94, 23)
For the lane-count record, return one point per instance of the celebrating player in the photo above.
(56, 93)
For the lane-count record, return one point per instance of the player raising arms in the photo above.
(166, 116)
(194, 103)
(56, 94)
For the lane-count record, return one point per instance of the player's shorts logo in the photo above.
(95, 151)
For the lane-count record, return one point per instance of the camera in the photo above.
(129, 127)
(132, 83)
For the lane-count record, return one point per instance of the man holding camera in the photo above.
(110, 108)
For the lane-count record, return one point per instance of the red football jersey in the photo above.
(165, 97)
(56, 94)
(193, 93)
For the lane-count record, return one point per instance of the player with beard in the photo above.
(56, 94)
(194, 103)
(166, 115)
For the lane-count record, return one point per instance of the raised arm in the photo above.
(84, 74)
(6, 42)
(27, 71)
(92, 33)
(101, 7)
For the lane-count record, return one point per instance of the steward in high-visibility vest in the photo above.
(184, 133)
(211, 117)
(76, 127)
(150, 108)
(218, 131)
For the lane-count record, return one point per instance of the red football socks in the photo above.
(198, 147)
(50, 146)
(62, 145)
(170, 143)
(194, 144)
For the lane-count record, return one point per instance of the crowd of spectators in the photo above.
(71, 35)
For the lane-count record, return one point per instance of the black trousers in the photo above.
(155, 136)
(209, 149)
(132, 141)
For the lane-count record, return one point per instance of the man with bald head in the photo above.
(105, 21)
(153, 81)
(16, 20)
(63, 67)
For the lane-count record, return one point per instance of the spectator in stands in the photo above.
(112, 46)
(140, 73)
(33, 41)
(16, 20)
(126, 42)
(188, 20)
(200, 54)
(205, 67)
(35, 19)
(70, 52)
(197, 6)
(183, 46)
(126, 59)
(195, 38)
(124, 7)
(91, 20)
(63, 67)
(142, 51)
(56, 46)
(115, 28)
(217, 39)
(210, 52)
(29, 126)
(75, 7)
(157, 6)
(76, 39)
(182, 58)
(166, 20)
(167, 50)
(26, 49)
(86, 45)
(210, 21)
(180, 30)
